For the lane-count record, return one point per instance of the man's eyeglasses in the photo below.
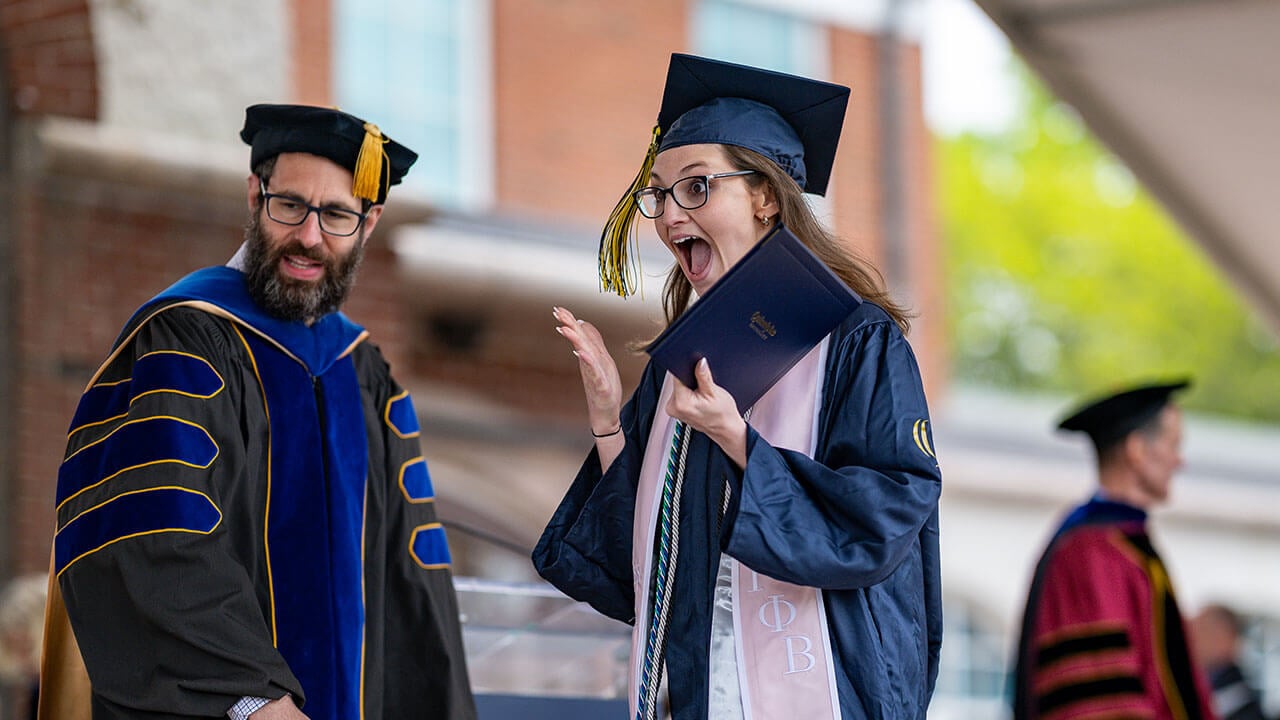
(289, 210)
(689, 193)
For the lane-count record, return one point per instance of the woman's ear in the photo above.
(766, 201)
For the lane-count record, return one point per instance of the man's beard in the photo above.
(290, 299)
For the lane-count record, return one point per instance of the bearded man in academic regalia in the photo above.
(244, 516)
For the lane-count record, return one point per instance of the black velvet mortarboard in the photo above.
(375, 160)
(1109, 419)
(792, 120)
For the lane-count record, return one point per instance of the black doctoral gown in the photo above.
(244, 510)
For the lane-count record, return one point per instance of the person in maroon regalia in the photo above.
(1102, 635)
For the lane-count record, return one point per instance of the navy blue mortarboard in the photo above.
(376, 161)
(1110, 419)
(792, 120)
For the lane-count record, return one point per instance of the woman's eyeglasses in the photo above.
(689, 193)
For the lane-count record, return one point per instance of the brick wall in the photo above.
(311, 41)
(49, 57)
(576, 91)
(856, 198)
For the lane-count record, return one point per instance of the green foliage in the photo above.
(1063, 274)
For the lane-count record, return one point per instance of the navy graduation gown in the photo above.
(859, 520)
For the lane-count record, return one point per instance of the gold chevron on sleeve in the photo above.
(920, 433)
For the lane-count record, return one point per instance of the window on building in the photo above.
(420, 67)
(753, 35)
(1260, 659)
(974, 674)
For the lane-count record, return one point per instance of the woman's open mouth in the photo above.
(695, 255)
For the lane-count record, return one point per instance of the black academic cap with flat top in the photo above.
(376, 161)
(794, 121)
(1109, 419)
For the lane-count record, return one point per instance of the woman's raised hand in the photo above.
(600, 380)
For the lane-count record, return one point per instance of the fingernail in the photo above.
(559, 329)
(581, 321)
(575, 353)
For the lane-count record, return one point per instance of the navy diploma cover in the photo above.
(766, 313)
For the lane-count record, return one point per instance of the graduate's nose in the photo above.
(673, 216)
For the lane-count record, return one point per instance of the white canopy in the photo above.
(1187, 94)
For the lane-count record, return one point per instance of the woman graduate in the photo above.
(782, 565)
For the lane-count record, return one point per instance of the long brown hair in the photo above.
(856, 271)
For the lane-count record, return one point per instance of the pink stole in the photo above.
(784, 660)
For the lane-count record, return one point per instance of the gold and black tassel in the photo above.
(619, 256)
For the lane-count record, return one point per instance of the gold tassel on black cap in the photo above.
(617, 270)
(369, 180)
